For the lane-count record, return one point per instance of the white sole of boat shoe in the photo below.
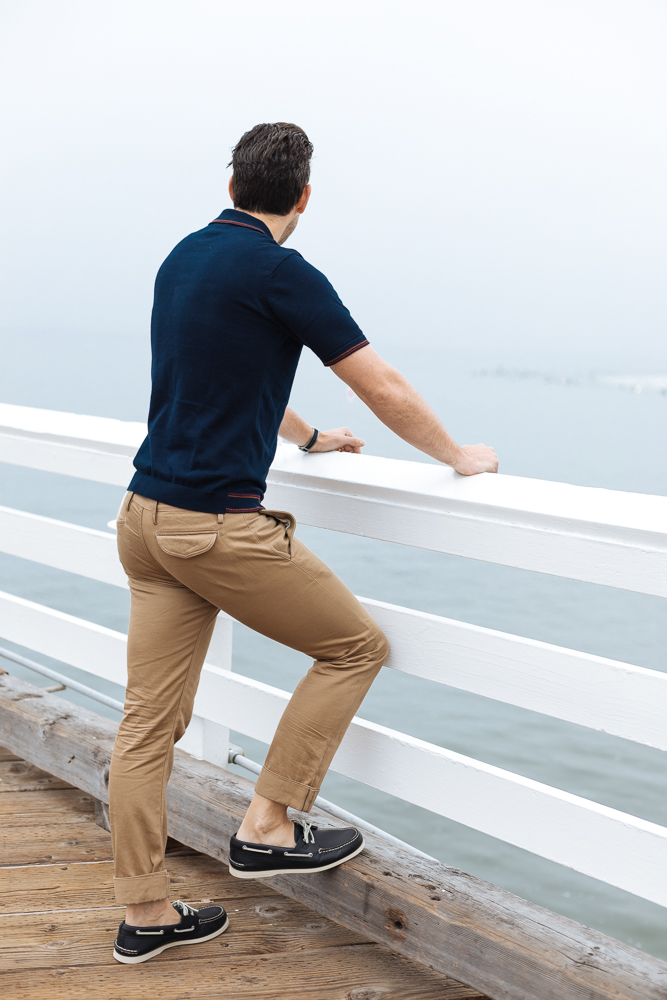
(296, 871)
(137, 959)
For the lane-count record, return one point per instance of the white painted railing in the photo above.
(600, 536)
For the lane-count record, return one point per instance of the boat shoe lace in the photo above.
(307, 828)
(187, 911)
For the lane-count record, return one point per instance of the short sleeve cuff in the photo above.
(346, 353)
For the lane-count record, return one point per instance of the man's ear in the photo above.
(231, 188)
(300, 206)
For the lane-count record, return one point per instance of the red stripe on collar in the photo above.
(230, 222)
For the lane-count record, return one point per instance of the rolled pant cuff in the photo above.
(286, 791)
(141, 888)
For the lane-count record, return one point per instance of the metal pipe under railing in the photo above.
(236, 754)
(62, 679)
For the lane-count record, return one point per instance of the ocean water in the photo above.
(590, 421)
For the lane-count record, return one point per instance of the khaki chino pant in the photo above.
(183, 567)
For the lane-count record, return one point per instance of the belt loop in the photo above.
(220, 518)
(155, 513)
(130, 497)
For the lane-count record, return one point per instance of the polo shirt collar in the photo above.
(233, 215)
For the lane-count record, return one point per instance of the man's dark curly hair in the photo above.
(271, 166)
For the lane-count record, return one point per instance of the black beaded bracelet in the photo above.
(309, 445)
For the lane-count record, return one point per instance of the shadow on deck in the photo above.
(59, 919)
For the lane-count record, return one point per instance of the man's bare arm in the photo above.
(295, 429)
(398, 405)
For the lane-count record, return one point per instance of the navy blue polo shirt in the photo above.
(231, 314)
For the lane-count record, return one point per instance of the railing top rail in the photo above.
(427, 485)
(414, 484)
(75, 427)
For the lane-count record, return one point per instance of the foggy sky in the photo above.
(488, 174)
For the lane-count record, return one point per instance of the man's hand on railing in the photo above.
(339, 439)
(476, 458)
(295, 429)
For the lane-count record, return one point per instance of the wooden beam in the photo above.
(501, 945)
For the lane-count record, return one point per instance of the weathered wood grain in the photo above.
(368, 972)
(20, 776)
(72, 885)
(29, 806)
(472, 931)
(268, 925)
(6, 754)
(37, 829)
(60, 843)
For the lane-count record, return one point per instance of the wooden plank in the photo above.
(20, 776)
(474, 932)
(52, 887)
(367, 971)
(268, 925)
(32, 808)
(37, 828)
(61, 842)
(7, 755)
(607, 695)
(74, 885)
(602, 536)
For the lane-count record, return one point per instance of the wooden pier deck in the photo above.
(58, 920)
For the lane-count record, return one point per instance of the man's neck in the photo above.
(280, 226)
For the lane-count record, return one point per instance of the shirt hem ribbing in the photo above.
(238, 498)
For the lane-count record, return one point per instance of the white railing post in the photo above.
(205, 739)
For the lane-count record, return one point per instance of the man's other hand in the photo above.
(475, 458)
(339, 439)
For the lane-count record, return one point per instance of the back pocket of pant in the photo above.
(184, 546)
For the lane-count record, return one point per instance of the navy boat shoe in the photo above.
(315, 851)
(138, 944)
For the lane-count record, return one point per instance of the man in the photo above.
(233, 309)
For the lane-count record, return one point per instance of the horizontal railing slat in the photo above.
(60, 545)
(605, 843)
(79, 460)
(617, 698)
(91, 647)
(607, 695)
(598, 536)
